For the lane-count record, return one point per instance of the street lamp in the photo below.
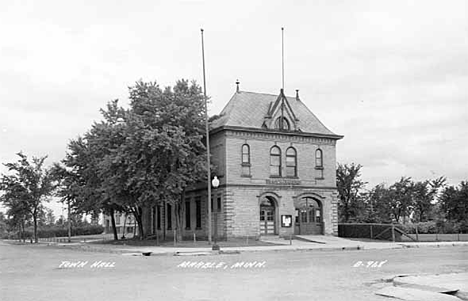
(215, 183)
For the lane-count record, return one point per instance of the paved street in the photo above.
(38, 272)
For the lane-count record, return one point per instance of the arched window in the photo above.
(282, 123)
(245, 160)
(318, 158)
(319, 163)
(275, 161)
(291, 162)
(245, 154)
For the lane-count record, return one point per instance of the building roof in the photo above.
(254, 110)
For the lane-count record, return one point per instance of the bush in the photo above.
(432, 227)
(423, 228)
(61, 232)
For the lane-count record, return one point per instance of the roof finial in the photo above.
(237, 88)
(297, 94)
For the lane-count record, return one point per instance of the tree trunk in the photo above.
(124, 226)
(114, 228)
(35, 228)
(137, 212)
(178, 211)
(22, 231)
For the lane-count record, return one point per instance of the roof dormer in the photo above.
(280, 115)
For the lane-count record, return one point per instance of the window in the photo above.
(282, 123)
(218, 204)
(117, 218)
(318, 158)
(319, 163)
(275, 162)
(291, 162)
(245, 160)
(188, 225)
(198, 212)
(169, 216)
(158, 217)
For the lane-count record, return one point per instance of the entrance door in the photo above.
(309, 218)
(267, 217)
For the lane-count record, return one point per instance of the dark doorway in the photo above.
(267, 217)
(309, 217)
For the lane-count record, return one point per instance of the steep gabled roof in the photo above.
(252, 110)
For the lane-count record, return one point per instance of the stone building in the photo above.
(276, 164)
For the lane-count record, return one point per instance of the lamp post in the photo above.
(215, 183)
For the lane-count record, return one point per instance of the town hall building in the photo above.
(276, 164)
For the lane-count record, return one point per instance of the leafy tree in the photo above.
(401, 199)
(29, 185)
(424, 197)
(163, 151)
(80, 185)
(349, 184)
(379, 200)
(454, 202)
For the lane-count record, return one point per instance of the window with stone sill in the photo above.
(291, 163)
(275, 162)
(245, 163)
(319, 164)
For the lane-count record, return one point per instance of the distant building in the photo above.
(276, 163)
(126, 228)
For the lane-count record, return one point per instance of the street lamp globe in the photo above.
(215, 182)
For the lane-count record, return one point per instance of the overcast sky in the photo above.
(391, 76)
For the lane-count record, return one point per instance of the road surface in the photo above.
(38, 272)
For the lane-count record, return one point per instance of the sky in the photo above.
(391, 76)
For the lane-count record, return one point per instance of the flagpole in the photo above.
(282, 58)
(207, 141)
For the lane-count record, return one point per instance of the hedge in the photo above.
(63, 232)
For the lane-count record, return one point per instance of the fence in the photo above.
(391, 232)
(437, 237)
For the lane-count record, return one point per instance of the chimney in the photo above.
(237, 88)
(297, 94)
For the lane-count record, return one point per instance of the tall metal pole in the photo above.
(282, 58)
(207, 142)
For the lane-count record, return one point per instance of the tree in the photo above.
(163, 152)
(29, 185)
(424, 197)
(379, 204)
(80, 185)
(349, 187)
(454, 202)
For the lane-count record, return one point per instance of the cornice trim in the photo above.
(273, 131)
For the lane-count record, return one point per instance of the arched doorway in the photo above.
(267, 216)
(309, 217)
